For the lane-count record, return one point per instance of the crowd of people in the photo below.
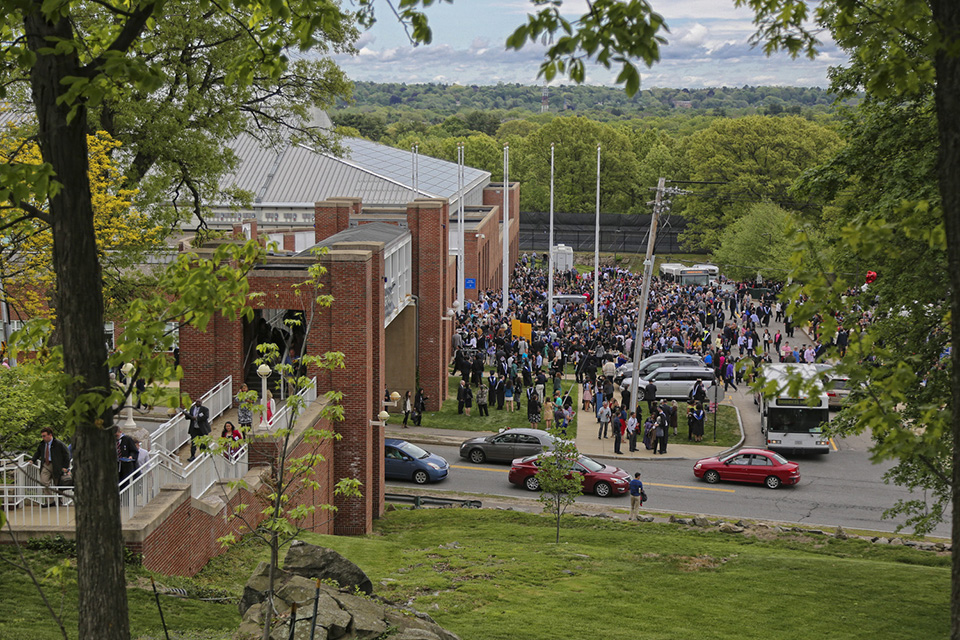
(721, 322)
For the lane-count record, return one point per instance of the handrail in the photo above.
(308, 394)
(172, 434)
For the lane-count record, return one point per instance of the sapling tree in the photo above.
(558, 476)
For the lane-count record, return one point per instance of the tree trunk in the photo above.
(946, 13)
(102, 601)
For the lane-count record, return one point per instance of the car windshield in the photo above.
(797, 420)
(591, 464)
(413, 450)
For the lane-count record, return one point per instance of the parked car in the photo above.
(673, 381)
(506, 445)
(835, 384)
(749, 465)
(656, 361)
(406, 461)
(598, 478)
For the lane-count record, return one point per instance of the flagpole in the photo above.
(461, 255)
(596, 247)
(550, 248)
(504, 306)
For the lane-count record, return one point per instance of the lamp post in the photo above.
(128, 370)
(264, 372)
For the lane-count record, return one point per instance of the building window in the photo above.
(173, 329)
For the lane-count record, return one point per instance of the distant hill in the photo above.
(600, 103)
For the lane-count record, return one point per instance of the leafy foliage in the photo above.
(560, 483)
(30, 400)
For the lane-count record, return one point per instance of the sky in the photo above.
(708, 46)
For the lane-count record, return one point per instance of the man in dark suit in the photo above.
(54, 458)
(199, 417)
(127, 453)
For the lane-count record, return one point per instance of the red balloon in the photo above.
(871, 277)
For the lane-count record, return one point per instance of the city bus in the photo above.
(698, 274)
(794, 421)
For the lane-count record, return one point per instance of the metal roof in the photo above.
(370, 232)
(296, 175)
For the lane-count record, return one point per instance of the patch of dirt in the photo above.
(697, 563)
(441, 567)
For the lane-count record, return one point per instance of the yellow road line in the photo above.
(683, 486)
(455, 466)
(834, 444)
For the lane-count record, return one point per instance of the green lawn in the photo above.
(494, 575)
(23, 616)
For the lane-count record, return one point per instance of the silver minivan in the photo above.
(674, 382)
(657, 360)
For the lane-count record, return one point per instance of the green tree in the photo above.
(759, 243)
(29, 401)
(752, 159)
(103, 56)
(557, 476)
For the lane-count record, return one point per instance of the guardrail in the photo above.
(172, 434)
(420, 501)
(308, 394)
(25, 501)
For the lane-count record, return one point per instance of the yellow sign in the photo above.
(521, 329)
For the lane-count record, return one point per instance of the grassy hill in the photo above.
(488, 575)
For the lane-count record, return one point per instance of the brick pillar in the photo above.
(210, 356)
(427, 220)
(332, 216)
(350, 274)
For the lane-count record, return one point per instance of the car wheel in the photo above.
(772, 482)
(639, 394)
(531, 483)
(712, 477)
(421, 477)
(477, 456)
(601, 489)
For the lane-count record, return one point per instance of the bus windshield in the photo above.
(700, 279)
(797, 420)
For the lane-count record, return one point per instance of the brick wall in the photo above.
(187, 537)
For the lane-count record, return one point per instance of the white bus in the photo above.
(794, 421)
(698, 274)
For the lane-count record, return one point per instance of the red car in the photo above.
(598, 478)
(749, 465)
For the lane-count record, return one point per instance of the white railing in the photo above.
(172, 434)
(308, 394)
(23, 496)
(25, 501)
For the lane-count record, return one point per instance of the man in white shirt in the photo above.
(632, 430)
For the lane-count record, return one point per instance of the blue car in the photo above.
(406, 461)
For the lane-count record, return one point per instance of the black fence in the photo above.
(619, 233)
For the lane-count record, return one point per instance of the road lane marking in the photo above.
(834, 444)
(456, 466)
(684, 486)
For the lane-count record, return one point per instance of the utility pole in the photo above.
(645, 293)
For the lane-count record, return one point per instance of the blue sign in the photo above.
(469, 283)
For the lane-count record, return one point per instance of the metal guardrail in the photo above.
(172, 434)
(308, 394)
(421, 501)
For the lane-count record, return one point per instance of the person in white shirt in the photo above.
(632, 430)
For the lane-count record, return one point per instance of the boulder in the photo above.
(701, 521)
(311, 561)
(840, 534)
(881, 541)
(254, 592)
(727, 527)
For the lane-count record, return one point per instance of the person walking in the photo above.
(619, 427)
(483, 400)
(54, 459)
(127, 455)
(533, 408)
(632, 427)
(199, 423)
(461, 397)
(604, 416)
(419, 406)
(407, 408)
(244, 409)
(508, 393)
(636, 496)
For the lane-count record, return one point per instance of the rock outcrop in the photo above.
(345, 613)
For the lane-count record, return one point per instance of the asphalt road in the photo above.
(843, 487)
